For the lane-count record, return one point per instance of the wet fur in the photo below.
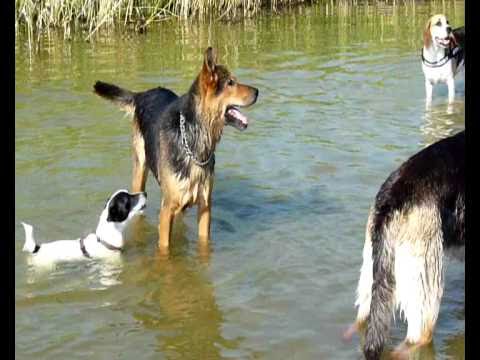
(418, 214)
(157, 143)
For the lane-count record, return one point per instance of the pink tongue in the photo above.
(238, 115)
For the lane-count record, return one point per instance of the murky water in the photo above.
(341, 105)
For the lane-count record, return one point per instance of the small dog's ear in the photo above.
(427, 35)
(119, 208)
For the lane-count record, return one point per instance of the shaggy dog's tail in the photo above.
(383, 287)
(459, 36)
(124, 98)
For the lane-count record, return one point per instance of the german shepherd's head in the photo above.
(219, 95)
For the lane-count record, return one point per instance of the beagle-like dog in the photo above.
(443, 55)
(107, 241)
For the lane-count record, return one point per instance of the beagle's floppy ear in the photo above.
(427, 35)
(209, 76)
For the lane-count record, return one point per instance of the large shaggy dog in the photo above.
(418, 213)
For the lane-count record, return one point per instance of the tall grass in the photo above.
(86, 17)
(39, 16)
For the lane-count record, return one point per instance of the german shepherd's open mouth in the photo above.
(234, 117)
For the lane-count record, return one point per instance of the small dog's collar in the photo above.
(84, 250)
(107, 245)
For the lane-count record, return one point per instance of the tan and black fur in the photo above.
(211, 102)
(418, 214)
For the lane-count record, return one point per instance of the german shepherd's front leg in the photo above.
(167, 214)
(204, 218)
(204, 214)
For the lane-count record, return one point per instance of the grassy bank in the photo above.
(84, 18)
(37, 17)
(88, 16)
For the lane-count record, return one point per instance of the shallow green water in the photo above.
(341, 105)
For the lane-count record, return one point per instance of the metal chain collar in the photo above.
(187, 148)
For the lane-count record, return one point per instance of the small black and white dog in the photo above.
(107, 241)
(418, 214)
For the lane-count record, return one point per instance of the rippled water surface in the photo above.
(341, 105)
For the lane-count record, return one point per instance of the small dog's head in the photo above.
(122, 206)
(221, 94)
(438, 32)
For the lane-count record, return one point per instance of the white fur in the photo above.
(364, 289)
(434, 52)
(418, 269)
(69, 250)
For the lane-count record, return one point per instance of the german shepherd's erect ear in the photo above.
(427, 35)
(209, 75)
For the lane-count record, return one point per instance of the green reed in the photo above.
(37, 18)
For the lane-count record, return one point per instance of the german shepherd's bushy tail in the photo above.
(124, 98)
(459, 36)
(383, 285)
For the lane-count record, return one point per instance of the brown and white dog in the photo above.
(443, 55)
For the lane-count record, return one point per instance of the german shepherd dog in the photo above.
(418, 213)
(175, 138)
